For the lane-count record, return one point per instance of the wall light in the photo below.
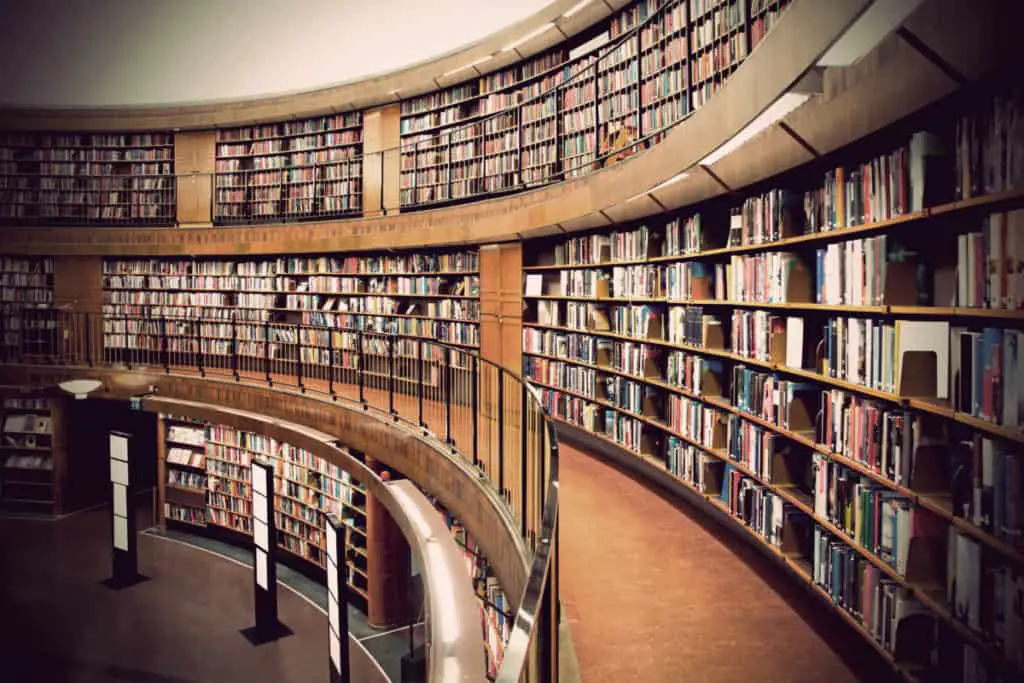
(80, 388)
(529, 36)
(879, 20)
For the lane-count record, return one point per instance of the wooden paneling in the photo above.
(194, 164)
(501, 305)
(78, 283)
(381, 160)
(195, 200)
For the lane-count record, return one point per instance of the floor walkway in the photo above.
(655, 592)
(60, 625)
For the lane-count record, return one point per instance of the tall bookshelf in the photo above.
(552, 117)
(27, 322)
(295, 170)
(87, 179)
(833, 360)
(291, 307)
(466, 140)
(31, 454)
(206, 474)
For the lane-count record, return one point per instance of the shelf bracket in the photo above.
(911, 39)
(715, 177)
(799, 139)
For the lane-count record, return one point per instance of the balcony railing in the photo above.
(486, 416)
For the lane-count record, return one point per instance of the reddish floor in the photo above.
(655, 593)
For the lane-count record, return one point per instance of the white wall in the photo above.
(94, 53)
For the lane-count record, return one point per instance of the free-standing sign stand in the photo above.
(337, 599)
(124, 551)
(267, 627)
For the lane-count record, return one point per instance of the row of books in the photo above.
(878, 527)
(320, 124)
(407, 263)
(636, 82)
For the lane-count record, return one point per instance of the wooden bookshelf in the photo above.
(27, 323)
(31, 454)
(87, 179)
(303, 307)
(205, 488)
(554, 116)
(833, 362)
(296, 170)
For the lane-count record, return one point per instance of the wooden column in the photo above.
(161, 473)
(194, 158)
(501, 305)
(381, 162)
(78, 288)
(387, 565)
(78, 283)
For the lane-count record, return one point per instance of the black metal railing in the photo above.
(481, 412)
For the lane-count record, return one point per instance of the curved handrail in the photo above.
(489, 417)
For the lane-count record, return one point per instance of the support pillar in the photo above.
(388, 565)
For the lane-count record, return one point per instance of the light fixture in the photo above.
(874, 24)
(576, 8)
(80, 388)
(777, 111)
(529, 36)
(468, 66)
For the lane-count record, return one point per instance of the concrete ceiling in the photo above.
(123, 53)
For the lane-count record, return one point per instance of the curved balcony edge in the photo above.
(793, 47)
(303, 419)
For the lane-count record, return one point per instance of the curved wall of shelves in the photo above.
(832, 362)
(894, 80)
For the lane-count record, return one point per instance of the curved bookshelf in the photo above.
(833, 363)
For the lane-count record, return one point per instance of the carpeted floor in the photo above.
(655, 592)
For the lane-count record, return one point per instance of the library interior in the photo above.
(568, 340)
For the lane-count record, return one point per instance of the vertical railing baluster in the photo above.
(359, 367)
(330, 364)
(234, 348)
(475, 389)
(88, 339)
(391, 377)
(419, 383)
(298, 356)
(165, 355)
(501, 429)
(448, 397)
(524, 491)
(266, 351)
(127, 351)
(199, 348)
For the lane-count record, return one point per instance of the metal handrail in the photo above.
(379, 371)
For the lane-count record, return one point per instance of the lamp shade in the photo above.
(80, 388)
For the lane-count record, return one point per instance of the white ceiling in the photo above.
(96, 53)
